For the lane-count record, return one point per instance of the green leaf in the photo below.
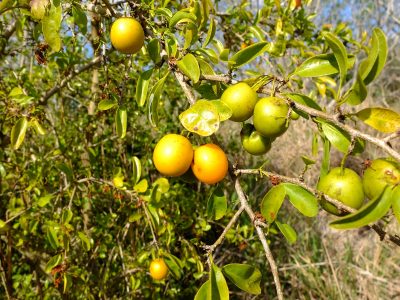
(154, 99)
(141, 186)
(190, 67)
(340, 139)
(154, 49)
(85, 240)
(191, 35)
(121, 121)
(142, 87)
(381, 119)
(107, 104)
(272, 202)
(204, 292)
(218, 286)
(53, 262)
(52, 237)
(326, 158)
(163, 185)
(217, 204)
(136, 169)
(37, 126)
(304, 100)
(201, 118)
(66, 216)
(321, 65)
(63, 167)
(244, 276)
(171, 44)
(248, 54)
(174, 264)
(224, 110)
(80, 18)
(18, 132)
(38, 8)
(288, 232)
(369, 213)
(210, 33)
(2, 224)
(303, 200)
(163, 12)
(358, 92)
(181, 17)
(396, 203)
(44, 200)
(340, 54)
(370, 74)
(51, 24)
(307, 161)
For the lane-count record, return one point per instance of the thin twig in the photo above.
(186, 89)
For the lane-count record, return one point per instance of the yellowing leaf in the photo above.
(18, 132)
(381, 119)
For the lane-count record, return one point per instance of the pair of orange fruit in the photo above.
(174, 156)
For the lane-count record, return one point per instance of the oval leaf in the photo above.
(121, 121)
(369, 213)
(190, 67)
(201, 118)
(382, 119)
(136, 169)
(302, 200)
(378, 37)
(154, 49)
(154, 99)
(204, 292)
(51, 24)
(288, 232)
(219, 288)
(180, 17)
(321, 65)
(210, 33)
(340, 53)
(174, 265)
(142, 87)
(18, 132)
(272, 202)
(244, 276)
(85, 240)
(340, 139)
(107, 104)
(217, 204)
(247, 54)
(53, 262)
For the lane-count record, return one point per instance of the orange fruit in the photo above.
(173, 155)
(210, 163)
(127, 35)
(158, 269)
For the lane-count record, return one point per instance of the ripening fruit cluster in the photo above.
(174, 155)
(270, 117)
(349, 188)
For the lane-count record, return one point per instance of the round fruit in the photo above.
(343, 185)
(210, 163)
(241, 99)
(173, 155)
(270, 116)
(380, 173)
(127, 35)
(253, 142)
(158, 269)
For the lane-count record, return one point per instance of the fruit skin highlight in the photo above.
(241, 99)
(158, 269)
(127, 35)
(253, 142)
(380, 173)
(343, 185)
(270, 116)
(210, 164)
(173, 155)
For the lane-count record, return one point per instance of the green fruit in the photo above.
(253, 142)
(294, 115)
(241, 99)
(343, 185)
(270, 116)
(380, 173)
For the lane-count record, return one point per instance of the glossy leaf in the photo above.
(224, 110)
(141, 186)
(368, 214)
(142, 87)
(272, 202)
(107, 104)
(303, 99)
(217, 204)
(302, 200)
(191, 35)
(288, 232)
(210, 33)
(396, 203)
(53, 262)
(18, 132)
(180, 17)
(340, 139)
(136, 169)
(51, 24)
(321, 65)
(154, 99)
(340, 54)
(245, 277)
(154, 49)
(190, 67)
(121, 121)
(201, 118)
(38, 8)
(174, 264)
(248, 54)
(381, 119)
(358, 92)
(204, 292)
(219, 288)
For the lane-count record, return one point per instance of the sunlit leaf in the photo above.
(142, 87)
(288, 232)
(245, 277)
(381, 119)
(154, 100)
(272, 202)
(340, 139)
(219, 288)
(217, 204)
(302, 200)
(340, 54)
(321, 65)
(107, 104)
(248, 54)
(51, 24)
(121, 121)
(18, 132)
(190, 67)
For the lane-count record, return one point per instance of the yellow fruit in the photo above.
(210, 163)
(158, 269)
(127, 35)
(173, 155)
